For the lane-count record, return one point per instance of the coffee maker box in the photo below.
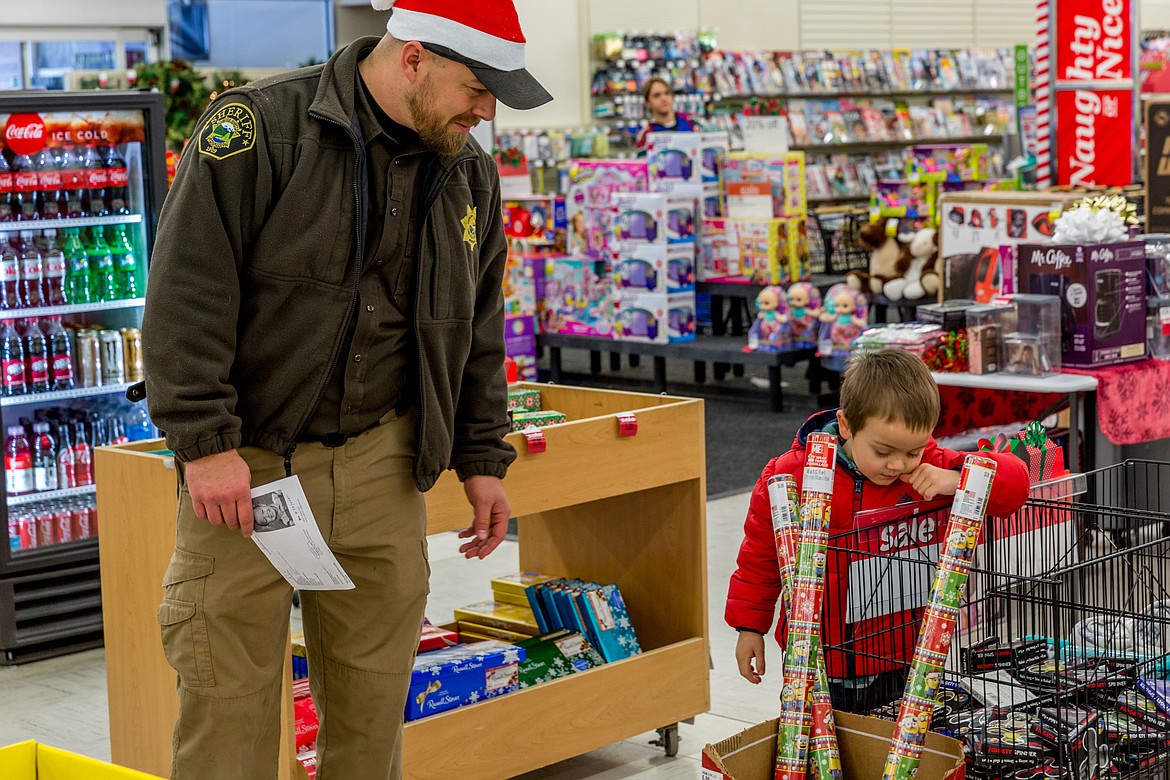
(1102, 288)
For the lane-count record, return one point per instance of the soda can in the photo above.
(63, 525)
(44, 521)
(132, 354)
(112, 357)
(93, 524)
(28, 532)
(80, 517)
(89, 359)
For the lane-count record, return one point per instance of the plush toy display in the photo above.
(889, 257)
(921, 277)
(844, 316)
(769, 332)
(804, 308)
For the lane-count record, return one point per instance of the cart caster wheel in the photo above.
(667, 740)
(297, 599)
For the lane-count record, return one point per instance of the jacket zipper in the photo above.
(359, 176)
(432, 197)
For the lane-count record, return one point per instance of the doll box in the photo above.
(655, 318)
(652, 218)
(1102, 289)
(784, 173)
(654, 268)
(674, 157)
(520, 343)
(578, 298)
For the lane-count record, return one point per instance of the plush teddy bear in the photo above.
(921, 277)
(889, 257)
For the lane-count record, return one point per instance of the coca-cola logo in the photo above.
(25, 133)
(13, 371)
(26, 181)
(6, 183)
(119, 177)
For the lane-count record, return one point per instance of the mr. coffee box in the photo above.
(1102, 288)
(465, 674)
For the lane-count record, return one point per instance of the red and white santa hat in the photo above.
(484, 35)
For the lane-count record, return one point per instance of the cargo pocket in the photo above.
(184, 625)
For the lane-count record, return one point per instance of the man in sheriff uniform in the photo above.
(325, 301)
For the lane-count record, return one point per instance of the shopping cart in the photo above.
(1061, 655)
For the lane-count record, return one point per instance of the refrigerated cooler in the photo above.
(81, 184)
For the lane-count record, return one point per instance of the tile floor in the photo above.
(62, 701)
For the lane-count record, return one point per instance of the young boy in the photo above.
(885, 456)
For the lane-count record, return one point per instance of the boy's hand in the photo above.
(748, 649)
(931, 481)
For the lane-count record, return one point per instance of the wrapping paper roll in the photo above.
(942, 612)
(804, 620)
(784, 502)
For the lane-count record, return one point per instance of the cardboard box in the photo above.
(520, 344)
(754, 251)
(655, 318)
(674, 157)
(578, 298)
(30, 760)
(464, 674)
(523, 283)
(864, 743)
(498, 615)
(651, 218)
(1102, 290)
(784, 173)
(588, 209)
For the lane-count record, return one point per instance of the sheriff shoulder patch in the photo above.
(229, 131)
(468, 222)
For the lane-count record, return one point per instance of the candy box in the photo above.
(434, 637)
(863, 743)
(1076, 736)
(480, 633)
(556, 654)
(543, 419)
(465, 674)
(499, 615)
(524, 399)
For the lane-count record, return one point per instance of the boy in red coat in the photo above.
(886, 456)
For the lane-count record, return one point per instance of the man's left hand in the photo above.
(490, 513)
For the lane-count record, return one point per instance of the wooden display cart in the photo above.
(596, 505)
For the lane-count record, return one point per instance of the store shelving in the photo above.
(589, 488)
(61, 224)
(51, 495)
(898, 93)
(65, 395)
(79, 308)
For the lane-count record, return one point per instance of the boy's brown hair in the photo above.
(889, 384)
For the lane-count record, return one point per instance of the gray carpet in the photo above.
(742, 434)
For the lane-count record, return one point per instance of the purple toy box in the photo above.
(520, 344)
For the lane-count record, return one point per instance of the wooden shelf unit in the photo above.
(594, 505)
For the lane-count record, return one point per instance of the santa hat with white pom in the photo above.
(484, 35)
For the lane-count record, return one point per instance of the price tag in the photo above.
(535, 437)
(764, 134)
(627, 424)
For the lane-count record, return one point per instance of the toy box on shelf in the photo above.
(653, 218)
(520, 343)
(538, 222)
(654, 268)
(578, 298)
(947, 162)
(1102, 294)
(783, 174)
(656, 318)
(761, 251)
(523, 283)
(588, 204)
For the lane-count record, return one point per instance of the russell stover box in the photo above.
(1102, 288)
(465, 674)
(555, 655)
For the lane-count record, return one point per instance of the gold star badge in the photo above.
(468, 223)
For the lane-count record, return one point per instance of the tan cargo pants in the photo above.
(225, 616)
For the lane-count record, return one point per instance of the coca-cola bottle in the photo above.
(53, 262)
(66, 478)
(60, 354)
(25, 184)
(10, 274)
(6, 187)
(96, 180)
(117, 189)
(36, 350)
(32, 272)
(13, 381)
(82, 456)
(49, 195)
(72, 182)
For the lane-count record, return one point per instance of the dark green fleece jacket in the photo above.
(255, 271)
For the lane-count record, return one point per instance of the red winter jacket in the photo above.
(877, 644)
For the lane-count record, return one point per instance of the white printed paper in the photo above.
(818, 480)
(287, 534)
(969, 502)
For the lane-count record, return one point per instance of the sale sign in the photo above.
(1094, 137)
(1094, 40)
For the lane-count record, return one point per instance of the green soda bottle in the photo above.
(125, 264)
(102, 285)
(77, 287)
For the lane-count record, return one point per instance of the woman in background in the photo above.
(659, 99)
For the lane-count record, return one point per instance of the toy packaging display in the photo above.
(653, 218)
(465, 674)
(713, 148)
(539, 222)
(1102, 294)
(578, 298)
(523, 283)
(655, 318)
(899, 198)
(784, 175)
(676, 157)
(520, 344)
(495, 614)
(555, 655)
(747, 251)
(543, 419)
(588, 206)
(986, 327)
(948, 315)
(947, 162)
(843, 317)
(654, 268)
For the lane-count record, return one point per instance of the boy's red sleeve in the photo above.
(1010, 488)
(755, 584)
